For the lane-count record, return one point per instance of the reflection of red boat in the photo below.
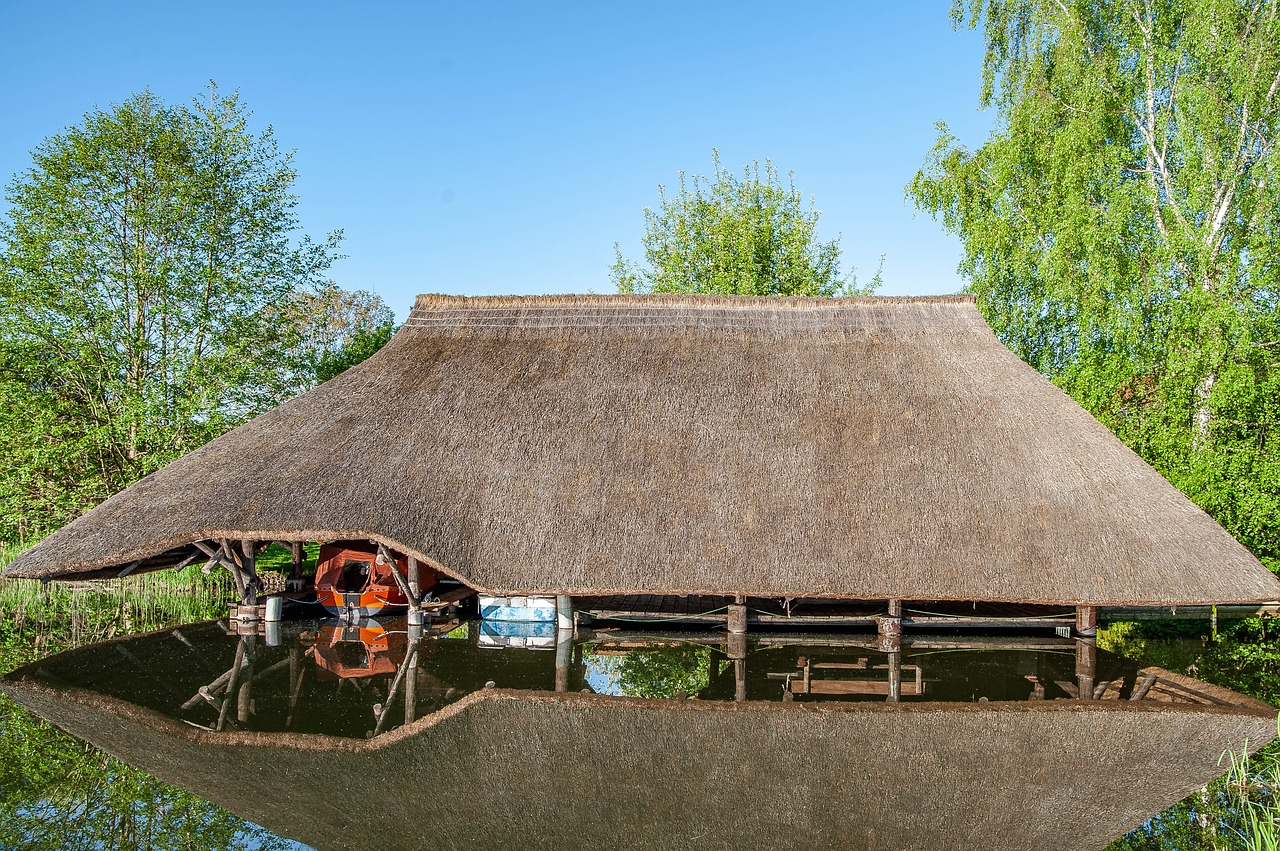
(359, 650)
(353, 580)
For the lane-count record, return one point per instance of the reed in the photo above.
(1255, 783)
(37, 619)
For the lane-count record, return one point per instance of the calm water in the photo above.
(479, 735)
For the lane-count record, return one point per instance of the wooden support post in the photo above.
(244, 700)
(415, 582)
(296, 572)
(1087, 621)
(130, 569)
(895, 608)
(228, 560)
(890, 631)
(564, 651)
(737, 618)
(249, 564)
(186, 561)
(895, 677)
(565, 618)
(233, 676)
(411, 686)
(737, 650)
(1086, 666)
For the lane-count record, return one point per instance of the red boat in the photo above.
(359, 650)
(354, 581)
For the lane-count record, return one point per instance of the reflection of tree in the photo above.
(1244, 657)
(59, 793)
(664, 671)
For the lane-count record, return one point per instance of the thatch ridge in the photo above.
(445, 301)
(847, 448)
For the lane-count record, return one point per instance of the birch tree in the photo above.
(1120, 226)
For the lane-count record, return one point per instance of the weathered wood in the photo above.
(233, 675)
(1086, 667)
(895, 608)
(296, 551)
(1141, 691)
(740, 680)
(737, 618)
(186, 561)
(385, 709)
(249, 564)
(846, 687)
(389, 559)
(244, 698)
(411, 688)
(564, 650)
(1087, 620)
(415, 580)
(895, 678)
(564, 612)
(737, 645)
(130, 569)
(228, 560)
(889, 627)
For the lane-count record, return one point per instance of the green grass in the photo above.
(1255, 782)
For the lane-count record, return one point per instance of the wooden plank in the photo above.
(850, 687)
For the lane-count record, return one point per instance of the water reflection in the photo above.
(384, 734)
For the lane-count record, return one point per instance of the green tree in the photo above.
(736, 236)
(1120, 226)
(336, 329)
(150, 264)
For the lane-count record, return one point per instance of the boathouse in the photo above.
(880, 449)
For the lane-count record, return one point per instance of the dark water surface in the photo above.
(479, 735)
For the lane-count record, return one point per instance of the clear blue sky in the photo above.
(503, 148)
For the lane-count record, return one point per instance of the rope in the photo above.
(1064, 615)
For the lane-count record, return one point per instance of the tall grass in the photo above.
(38, 619)
(1255, 783)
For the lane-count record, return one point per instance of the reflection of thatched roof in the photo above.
(508, 769)
(874, 448)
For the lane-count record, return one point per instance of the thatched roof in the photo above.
(506, 769)
(855, 448)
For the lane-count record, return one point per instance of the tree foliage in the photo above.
(1120, 226)
(736, 236)
(154, 292)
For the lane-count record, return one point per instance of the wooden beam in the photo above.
(415, 601)
(415, 579)
(186, 561)
(228, 560)
(1141, 691)
(1087, 620)
(130, 569)
(249, 564)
